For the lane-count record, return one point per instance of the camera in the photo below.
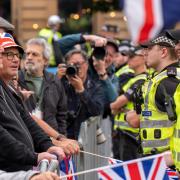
(71, 70)
(99, 53)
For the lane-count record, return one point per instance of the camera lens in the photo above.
(99, 53)
(71, 70)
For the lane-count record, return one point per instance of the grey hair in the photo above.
(41, 42)
(76, 51)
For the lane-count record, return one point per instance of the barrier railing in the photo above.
(95, 143)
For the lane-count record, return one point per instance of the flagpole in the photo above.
(97, 155)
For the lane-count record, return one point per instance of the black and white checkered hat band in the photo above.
(164, 39)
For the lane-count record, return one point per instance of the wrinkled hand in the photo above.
(77, 83)
(69, 146)
(46, 155)
(45, 176)
(61, 71)
(58, 151)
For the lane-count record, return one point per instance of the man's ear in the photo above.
(164, 52)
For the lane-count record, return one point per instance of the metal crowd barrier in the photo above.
(90, 143)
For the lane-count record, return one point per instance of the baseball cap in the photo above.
(124, 47)
(161, 40)
(6, 41)
(135, 50)
(6, 25)
(113, 43)
(173, 34)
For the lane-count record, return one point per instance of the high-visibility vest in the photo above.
(155, 127)
(124, 70)
(175, 144)
(48, 35)
(119, 122)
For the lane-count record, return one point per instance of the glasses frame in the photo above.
(10, 55)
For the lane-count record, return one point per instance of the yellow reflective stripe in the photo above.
(121, 123)
(146, 99)
(124, 70)
(133, 80)
(156, 124)
(155, 143)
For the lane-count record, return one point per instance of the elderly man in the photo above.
(49, 100)
(23, 143)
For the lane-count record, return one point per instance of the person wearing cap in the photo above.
(52, 35)
(158, 115)
(5, 25)
(126, 137)
(20, 136)
(123, 72)
(175, 36)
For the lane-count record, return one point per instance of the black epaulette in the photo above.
(171, 71)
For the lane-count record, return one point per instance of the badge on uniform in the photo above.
(146, 113)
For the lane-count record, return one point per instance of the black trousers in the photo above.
(125, 146)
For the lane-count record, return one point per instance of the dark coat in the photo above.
(82, 106)
(54, 102)
(20, 136)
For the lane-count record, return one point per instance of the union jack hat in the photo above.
(7, 41)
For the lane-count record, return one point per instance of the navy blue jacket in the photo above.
(82, 106)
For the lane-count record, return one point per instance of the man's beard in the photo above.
(31, 69)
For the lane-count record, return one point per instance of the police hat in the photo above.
(173, 34)
(162, 40)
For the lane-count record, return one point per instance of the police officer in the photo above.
(51, 34)
(158, 115)
(175, 149)
(123, 72)
(125, 145)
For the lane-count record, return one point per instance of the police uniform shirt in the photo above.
(170, 85)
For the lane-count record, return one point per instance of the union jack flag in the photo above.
(172, 174)
(151, 168)
(67, 167)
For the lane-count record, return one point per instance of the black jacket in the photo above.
(54, 102)
(82, 106)
(20, 136)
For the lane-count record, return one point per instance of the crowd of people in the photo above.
(134, 88)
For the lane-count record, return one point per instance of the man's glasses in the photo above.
(11, 55)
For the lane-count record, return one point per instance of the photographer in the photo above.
(85, 96)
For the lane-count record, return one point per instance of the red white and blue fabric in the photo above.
(114, 161)
(144, 168)
(67, 167)
(172, 174)
(147, 18)
(6, 40)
